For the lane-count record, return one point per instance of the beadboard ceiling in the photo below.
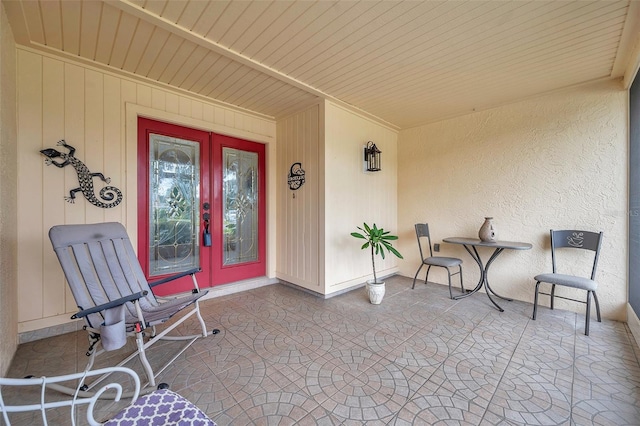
(405, 62)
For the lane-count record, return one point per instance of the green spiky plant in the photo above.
(379, 240)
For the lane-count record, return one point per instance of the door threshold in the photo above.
(238, 286)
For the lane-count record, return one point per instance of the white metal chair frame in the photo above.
(79, 397)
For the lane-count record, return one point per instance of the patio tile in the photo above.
(271, 408)
(525, 398)
(284, 357)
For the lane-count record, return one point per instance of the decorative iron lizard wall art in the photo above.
(111, 194)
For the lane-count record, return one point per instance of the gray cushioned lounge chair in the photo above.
(114, 297)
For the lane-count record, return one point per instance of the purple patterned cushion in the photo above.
(161, 407)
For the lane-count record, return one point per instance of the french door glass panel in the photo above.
(174, 200)
(240, 206)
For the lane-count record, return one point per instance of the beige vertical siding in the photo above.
(315, 249)
(8, 195)
(94, 111)
(298, 220)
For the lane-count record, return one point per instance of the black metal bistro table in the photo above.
(471, 244)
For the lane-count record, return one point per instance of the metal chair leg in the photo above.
(553, 291)
(535, 301)
(461, 283)
(449, 275)
(595, 297)
(588, 314)
(416, 275)
(143, 359)
(426, 277)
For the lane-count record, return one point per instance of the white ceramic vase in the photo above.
(375, 291)
(487, 232)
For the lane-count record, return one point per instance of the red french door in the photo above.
(201, 205)
(239, 243)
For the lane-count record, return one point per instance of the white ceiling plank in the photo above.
(319, 49)
(189, 64)
(138, 46)
(107, 34)
(179, 32)
(227, 20)
(390, 48)
(295, 107)
(169, 49)
(235, 82)
(173, 10)
(71, 12)
(154, 6)
(91, 16)
(52, 23)
(544, 68)
(261, 27)
(286, 96)
(249, 44)
(491, 56)
(418, 82)
(209, 17)
(194, 81)
(18, 21)
(177, 61)
(332, 19)
(298, 18)
(126, 28)
(628, 39)
(270, 102)
(191, 14)
(207, 82)
(413, 49)
(415, 80)
(217, 83)
(365, 39)
(266, 90)
(248, 89)
(246, 24)
(33, 18)
(157, 40)
(403, 63)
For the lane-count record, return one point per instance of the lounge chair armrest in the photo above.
(109, 305)
(174, 277)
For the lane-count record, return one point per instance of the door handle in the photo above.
(206, 235)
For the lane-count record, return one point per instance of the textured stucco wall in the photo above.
(558, 161)
(8, 190)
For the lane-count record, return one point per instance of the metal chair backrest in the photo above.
(422, 230)
(100, 266)
(576, 239)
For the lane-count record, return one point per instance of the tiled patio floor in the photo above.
(286, 357)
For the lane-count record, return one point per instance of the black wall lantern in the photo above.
(372, 157)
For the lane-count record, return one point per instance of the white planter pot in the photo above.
(375, 291)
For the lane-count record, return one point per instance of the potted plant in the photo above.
(378, 240)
